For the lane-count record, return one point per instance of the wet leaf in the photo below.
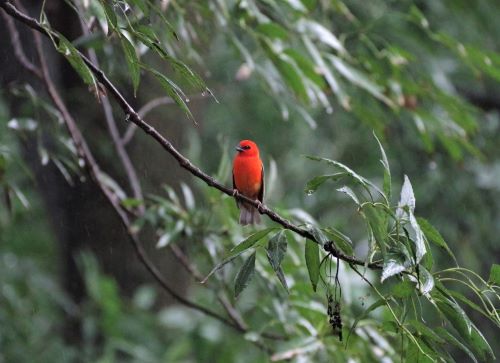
(239, 249)
(313, 184)
(276, 249)
(312, 262)
(245, 275)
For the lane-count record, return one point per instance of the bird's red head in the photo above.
(247, 148)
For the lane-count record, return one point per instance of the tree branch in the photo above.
(133, 116)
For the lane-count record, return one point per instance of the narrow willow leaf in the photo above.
(318, 31)
(281, 277)
(306, 66)
(244, 275)
(313, 184)
(424, 330)
(143, 5)
(426, 280)
(350, 193)
(378, 225)
(312, 262)
(462, 324)
(454, 341)
(394, 263)
(351, 173)
(173, 91)
(420, 249)
(495, 275)
(364, 315)
(188, 196)
(132, 62)
(71, 54)
(276, 249)
(407, 199)
(292, 75)
(319, 236)
(434, 236)
(239, 249)
(387, 170)
(360, 79)
(272, 30)
(110, 15)
(326, 72)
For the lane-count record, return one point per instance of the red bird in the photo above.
(248, 179)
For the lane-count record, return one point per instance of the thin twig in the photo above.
(18, 50)
(132, 116)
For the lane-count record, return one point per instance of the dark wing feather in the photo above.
(261, 191)
(234, 187)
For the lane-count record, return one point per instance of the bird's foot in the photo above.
(235, 193)
(260, 207)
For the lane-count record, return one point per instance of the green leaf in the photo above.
(244, 275)
(110, 15)
(454, 341)
(313, 184)
(434, 236)
(276, 249)
(319, 236)
(292, 75)
(306, 66)
(239, 249)
(394, 263)
(407, 198)
(350, 193)
(281, 278)
(403, 289)
(132, 62)
(494, 275)
(420, 248)
(321, 33)
(360, 79)
(272, 30)
(462, 324)
(424, 330)
(356, 177)
(71, 54)
(173, 91)
(312, 262)
(378, 225)
(143, 5)
(426, 280)
(387, 170)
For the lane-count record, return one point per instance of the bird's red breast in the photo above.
(247, 169)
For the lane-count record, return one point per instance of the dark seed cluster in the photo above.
(334, 316)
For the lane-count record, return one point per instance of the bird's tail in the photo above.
(249, 215)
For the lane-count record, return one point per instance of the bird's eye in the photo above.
(246, 147)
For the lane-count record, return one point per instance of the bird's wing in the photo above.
(261, 191)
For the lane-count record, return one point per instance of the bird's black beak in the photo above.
(239, 148)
